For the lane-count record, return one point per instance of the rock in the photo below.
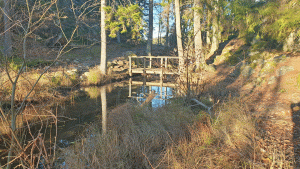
(73, 71)
(296, 108)
(291, 43)
(234, 73)
(260, 80)
(220, 58)
(259, 62)
(247, 71)
(272, 80)
(253, 53)
(280, 58)
(267, 68)
(210, 68)
(129, 53)
(120, 62)
(76, 61)
(295, 98)
(283, 70)
(84, 75)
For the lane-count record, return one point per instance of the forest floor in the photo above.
(274, 100)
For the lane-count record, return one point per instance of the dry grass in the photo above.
(170, 137)
(136, 138)
(95, 77)
(43, 89)
(227, 142)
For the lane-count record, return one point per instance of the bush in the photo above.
(95, 77)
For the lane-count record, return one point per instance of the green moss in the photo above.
(237, 56)
(254, 57)
(253, 65)
(56, 80)
(282, 90)
(38, 63)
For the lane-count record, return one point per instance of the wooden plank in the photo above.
(170, 57)
(154, 84)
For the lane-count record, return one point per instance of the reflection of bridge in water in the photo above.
(163, 91)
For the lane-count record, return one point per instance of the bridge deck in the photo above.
(147, 65)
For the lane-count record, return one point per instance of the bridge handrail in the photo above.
(158, 57)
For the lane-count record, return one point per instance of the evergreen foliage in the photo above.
(127, 20)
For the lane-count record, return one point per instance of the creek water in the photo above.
(87, 104)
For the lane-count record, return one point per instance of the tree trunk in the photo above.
(150, 36)
(7, 51)
(118, 37)
(179, 40)
(159, 30)
(198, 36)
(103, 39)
(207, 26)
(167, 25)
(215, 31)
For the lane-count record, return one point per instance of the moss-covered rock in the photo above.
(267, 68)
(283, 70)
(247, 71)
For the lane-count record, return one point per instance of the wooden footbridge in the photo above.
(162, 65)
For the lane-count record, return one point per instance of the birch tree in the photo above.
(150, 35)
(103, 38)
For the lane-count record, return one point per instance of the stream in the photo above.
(87, 104)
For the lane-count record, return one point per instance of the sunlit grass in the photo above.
(170, 137)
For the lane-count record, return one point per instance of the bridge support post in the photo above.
(144, 64)
(130, 67)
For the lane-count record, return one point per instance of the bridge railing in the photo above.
(148, 62)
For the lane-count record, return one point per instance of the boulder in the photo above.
(129, 53)
(280, 58)
(267, 68)
(292, 42)
(247, 71)
(283, 70)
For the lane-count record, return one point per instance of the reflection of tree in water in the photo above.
(104, 106)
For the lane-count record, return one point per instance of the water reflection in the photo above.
(104, 107)
(140, 91)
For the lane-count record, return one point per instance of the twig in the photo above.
(203, 105)
(147, 160)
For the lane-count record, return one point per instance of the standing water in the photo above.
(89, 102)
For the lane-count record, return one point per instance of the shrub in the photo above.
(95, 77)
